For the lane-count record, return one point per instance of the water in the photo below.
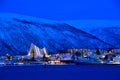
(60, 72)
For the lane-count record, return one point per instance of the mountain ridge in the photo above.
(18, 32)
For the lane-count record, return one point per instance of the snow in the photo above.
(10, 16)
(91, 24)
(105, 30)
(18, 32)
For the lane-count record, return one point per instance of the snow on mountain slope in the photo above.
(108, 34)
(91, 24)
(106, 30)
(17, 32)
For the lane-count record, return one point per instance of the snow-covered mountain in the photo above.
(106, 30)
(92, 24)
(17, 32)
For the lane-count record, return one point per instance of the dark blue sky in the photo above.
(64, 9)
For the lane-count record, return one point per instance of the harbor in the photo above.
(37, 56)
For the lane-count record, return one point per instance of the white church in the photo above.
(36, 52)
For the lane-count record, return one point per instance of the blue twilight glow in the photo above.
(89, 24)
(64, 9)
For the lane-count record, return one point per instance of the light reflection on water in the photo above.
(66, 72)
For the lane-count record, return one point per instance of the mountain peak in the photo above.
(18, 32)
(11, 16)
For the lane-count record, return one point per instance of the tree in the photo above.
(97, 52)
(77, 54)
(44, 57)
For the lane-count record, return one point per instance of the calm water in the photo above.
(71, 72)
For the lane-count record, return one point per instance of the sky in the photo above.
(64, 9)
